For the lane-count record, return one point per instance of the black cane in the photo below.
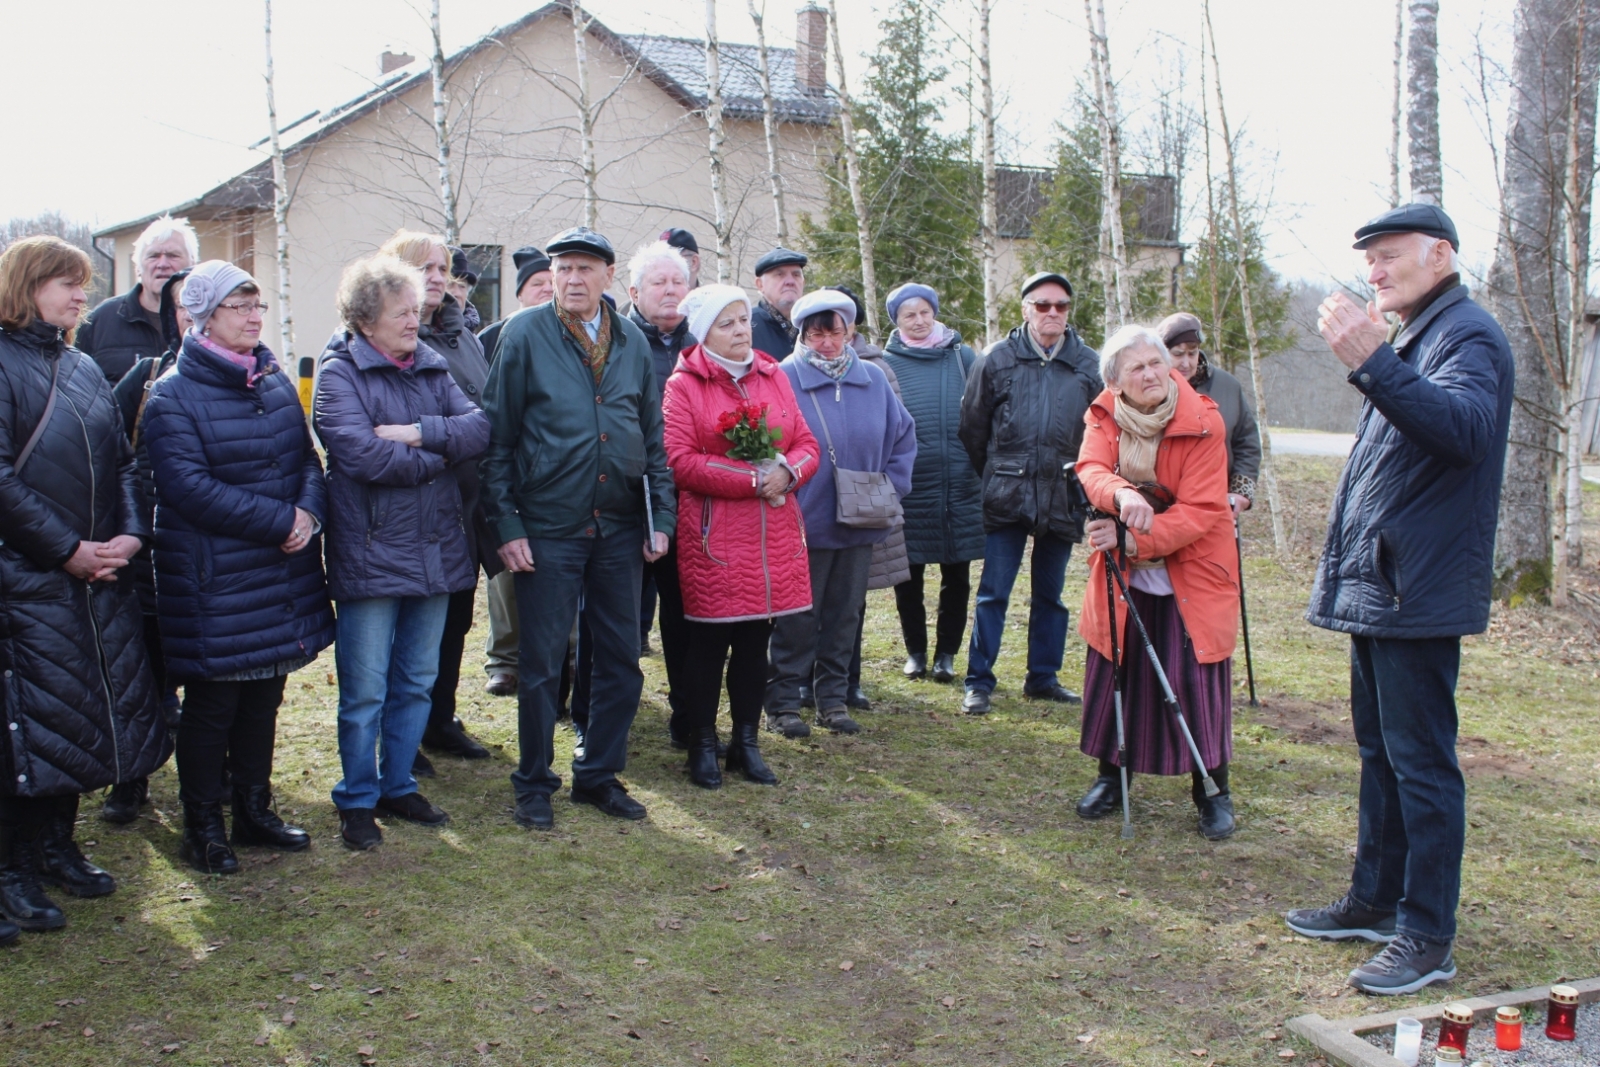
(1244, 615)
(1171, 698)
(1116, 696)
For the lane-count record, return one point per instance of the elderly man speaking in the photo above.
(1406, 572)
(575, 427)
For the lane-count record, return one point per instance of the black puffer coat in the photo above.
(79, 699)
(448, 334)
(944, 510)
(118, 333)
(1021, 422)
(664, 348)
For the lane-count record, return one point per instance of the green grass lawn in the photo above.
(921, 893)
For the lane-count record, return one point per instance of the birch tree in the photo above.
(1422, 112)
(852, 165)
(769, 119)
(587, 166)
(1113, 251)
(1269, 475)
(989, 231)
(719, 193)
(441, 129)
(1394, 118)
(280, 203)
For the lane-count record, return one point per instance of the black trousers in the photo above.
(236, 721)
(674, 629)
(709, 644)
(452, 646)
(30, 813)
(955, 587)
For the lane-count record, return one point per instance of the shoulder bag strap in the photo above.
(44, 420)
(144, 398)
(826, 436)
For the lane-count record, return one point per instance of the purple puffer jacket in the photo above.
(395, 519)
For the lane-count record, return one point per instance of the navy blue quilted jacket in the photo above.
(1410, 550)
(231, 462)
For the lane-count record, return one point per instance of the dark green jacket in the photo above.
(567, 458)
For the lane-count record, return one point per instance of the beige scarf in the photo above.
(1140, 440)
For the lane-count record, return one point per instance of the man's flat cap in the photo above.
(583, 240)
(681, 239)
(1044, 277)
(1410, 218)
(780, 257)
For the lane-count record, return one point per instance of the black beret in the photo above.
(460, 267)
(1043, 277)
(682, 240)
(584, 240)
(780, 257)
(529, 261)
(1428, 219)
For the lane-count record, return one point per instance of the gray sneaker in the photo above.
(838, 720)
(1405, 965)
(1343, 920)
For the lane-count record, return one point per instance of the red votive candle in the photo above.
(1454, 1027)
(1561, 1024)
(1508, 1029)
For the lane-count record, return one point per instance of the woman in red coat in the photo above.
(748, 563)
(1150, 428)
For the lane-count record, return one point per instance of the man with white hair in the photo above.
(125, 329)
(1406, 571)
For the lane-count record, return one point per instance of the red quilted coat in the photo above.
(738, 557)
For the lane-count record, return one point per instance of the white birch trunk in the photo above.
(852, 168)
(719, 192)
(280, 208)
(441, 129)
(580, 47)
(1394, 138)
(769, 119)
(1113, 251)
(1422, 116)
(990, 225)
(1269, 475)
(1213, 229)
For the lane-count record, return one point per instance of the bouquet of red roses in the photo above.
(746, 426)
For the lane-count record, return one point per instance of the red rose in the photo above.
(727, 421)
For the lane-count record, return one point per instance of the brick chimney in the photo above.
(811, 51)
(388, 61)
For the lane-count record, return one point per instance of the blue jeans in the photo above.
(387, 654)
(1412, 826)
(1047, 618)
(606, 572)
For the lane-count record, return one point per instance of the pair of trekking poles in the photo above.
(1115, 582)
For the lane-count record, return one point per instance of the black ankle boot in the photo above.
(1216, 813)
(255, 823)
(22, 898)
(124, 801)
(60, 862)
(744, 755)
(703, 769)
(205, 839)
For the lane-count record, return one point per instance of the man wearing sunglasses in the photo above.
(1021, 423)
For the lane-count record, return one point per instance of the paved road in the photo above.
(1311, 443)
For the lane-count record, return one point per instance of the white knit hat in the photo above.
(702, 306)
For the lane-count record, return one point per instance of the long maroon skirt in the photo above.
(1155, 743)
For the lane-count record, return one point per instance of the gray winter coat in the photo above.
(448, 335)
(1239, 420)
(890, 563)
(1410, 549)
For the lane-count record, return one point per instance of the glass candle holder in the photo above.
(1454, 1026)
(1508, 1029)
(1448, 1054)
(1407, 1041)
(1561, 1022)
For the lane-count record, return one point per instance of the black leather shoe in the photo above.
(205, 840)
(9, 932)
(944, 668)
(916, 665)
(744, 756)
(856, 697)
(611, 798)
(501, 684)
(22, 898)
(1054, 691)
(808, 699)
(453, 740)
(1103, 798)
(703, 769)
(422, 766)
(976, 702)
(60, 862)
(1216, 817)
(413, 807)
(359, 829)
(255, 823)
(124, 801)
(534, 813)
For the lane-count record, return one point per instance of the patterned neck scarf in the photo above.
(596, 352)
(253, 370)
(833, 368)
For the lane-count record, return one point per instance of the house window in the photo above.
(485, 259)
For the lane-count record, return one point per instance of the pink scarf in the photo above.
(246, 363)
(938, 338)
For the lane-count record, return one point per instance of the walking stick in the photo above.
(1168, 695)
(1116, 698)
(1244, 614)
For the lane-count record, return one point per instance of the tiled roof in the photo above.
(683, 61)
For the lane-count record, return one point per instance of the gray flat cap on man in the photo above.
(1046, 276)
(1410, 218)
(584, 240)
(780, 257)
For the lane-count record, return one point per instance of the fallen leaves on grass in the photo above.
(847, 965)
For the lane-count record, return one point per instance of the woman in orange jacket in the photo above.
(1154, 455)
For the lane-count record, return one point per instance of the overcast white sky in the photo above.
(118, 109)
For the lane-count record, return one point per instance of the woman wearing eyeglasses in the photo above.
(241, 598)
(1154, 455)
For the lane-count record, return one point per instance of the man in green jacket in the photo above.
(575, 429)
